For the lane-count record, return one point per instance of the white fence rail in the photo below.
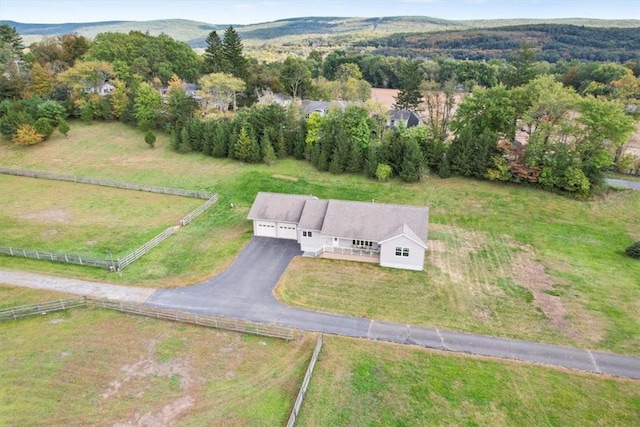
(122, 263)
(220, 322)
(59, 257)
(198, 211)
(348, 251)
(108, 183)
(305, 383)
(41, 308)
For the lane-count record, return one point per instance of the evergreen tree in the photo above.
(410, 96)
(444, 168)
(268, 154)
(242, 147)
(232, 52)
(214, 59)
(412, 162)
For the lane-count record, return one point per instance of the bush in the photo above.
(150, 138)
(634, 250)
(63, 128)
(383, 172)
(44, 126)
(27, 135)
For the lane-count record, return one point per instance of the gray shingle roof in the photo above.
(278, 207)
(313, 214)
(373, 221)
(341, 218)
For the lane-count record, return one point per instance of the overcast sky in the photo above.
(253, 11)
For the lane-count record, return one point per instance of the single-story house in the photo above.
(275, 98)
(396, 234)
(407, 117)
(321, 107)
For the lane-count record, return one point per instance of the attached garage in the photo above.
(265, 228)
(287, 231)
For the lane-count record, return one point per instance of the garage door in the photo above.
(265, 228)
(287, 231)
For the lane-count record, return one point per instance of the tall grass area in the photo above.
(88, 366)
(476, 277)
(361, 383)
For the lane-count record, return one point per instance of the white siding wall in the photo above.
(388, 258)
(313, 243)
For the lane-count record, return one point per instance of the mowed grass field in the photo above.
(84, 219)
(504, 260)
(96, 367)
(90, 366)
(363, 383)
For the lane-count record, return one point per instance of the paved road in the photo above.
(634, 185)
(245, 290)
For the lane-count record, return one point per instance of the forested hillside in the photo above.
(413, 35)
(555, 42)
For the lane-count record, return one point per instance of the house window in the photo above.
(362, 243)
(400, 251)
(307, 234)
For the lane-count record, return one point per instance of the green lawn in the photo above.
(361, 383)
(88, 366)
(506, 260)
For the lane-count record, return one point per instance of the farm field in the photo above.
(504, 260)
(90, 366)
(84, 219)
(361, 383)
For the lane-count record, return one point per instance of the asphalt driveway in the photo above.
(633, 185)
(245, 291)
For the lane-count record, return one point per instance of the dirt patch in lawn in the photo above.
(50, 215)
(532, 275)
(286, 177)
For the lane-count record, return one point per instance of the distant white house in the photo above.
(321, 107)
(396, 235)
(269, 97)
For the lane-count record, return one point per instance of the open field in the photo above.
(84, 219)
(96, 367)
(360, 383)
(90, 366)
(506, 260)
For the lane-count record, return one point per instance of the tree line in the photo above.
(575, 116)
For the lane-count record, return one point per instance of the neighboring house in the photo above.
(406, 117)
(105, 89)
(275, 98)
(321, 107)
(189, 88)
(396, 234)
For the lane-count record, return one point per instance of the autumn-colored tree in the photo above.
(88, 76)
(27, 135)
(40, 82)
(220, 89)
(119, 98)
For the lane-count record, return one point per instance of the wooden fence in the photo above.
(41, 308)
(219, 322)
(108, 183)
(305, 383)
(60, 257)
(198, 211)
(131, 257)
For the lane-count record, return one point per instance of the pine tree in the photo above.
(411, 77)
(242, 147)
(232, 52)
(214, 60)
(268, 154)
